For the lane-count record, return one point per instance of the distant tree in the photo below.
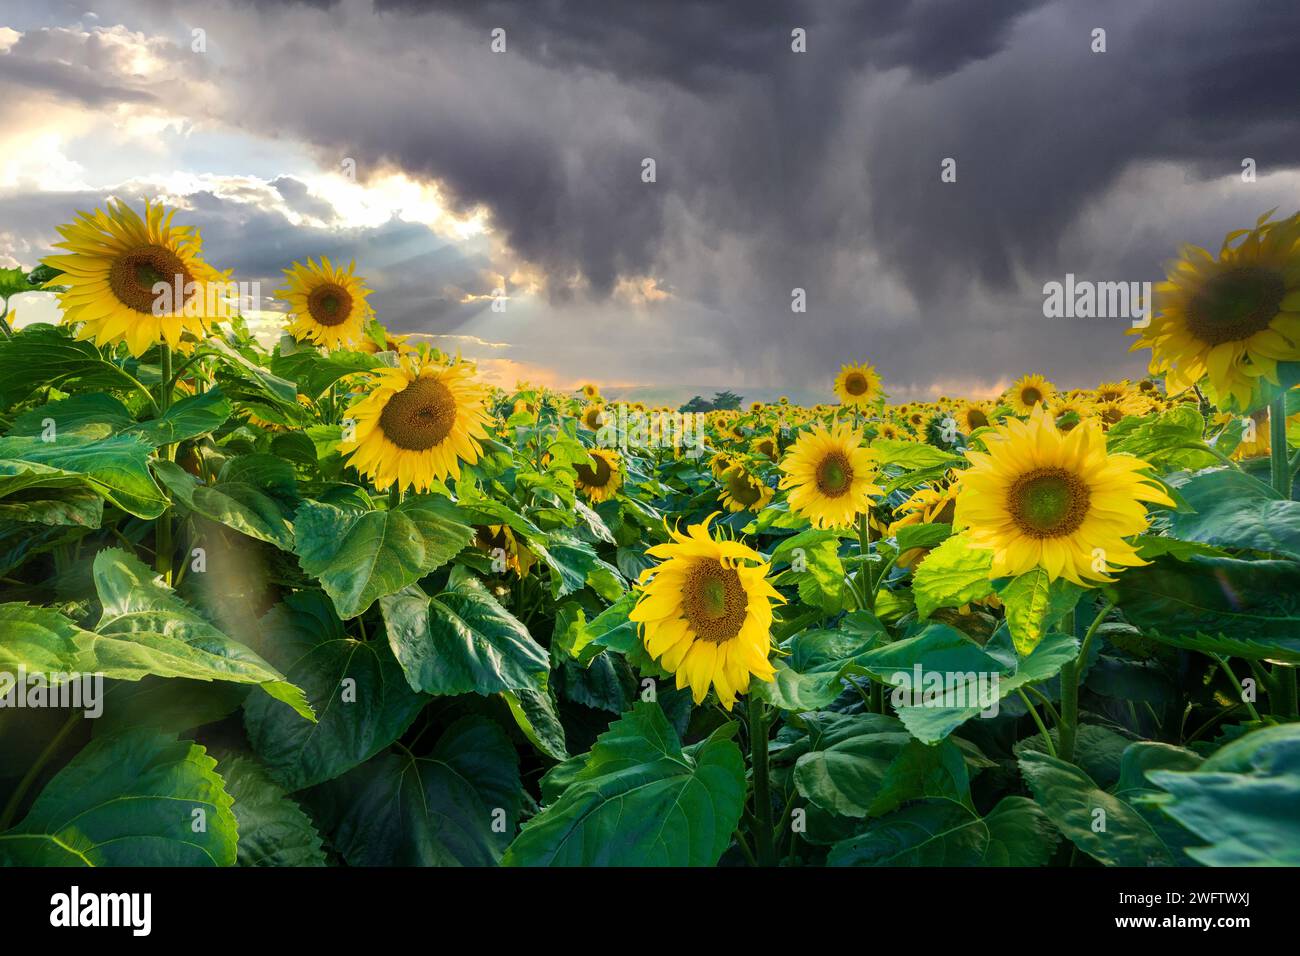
(726, 401)
(697, 404)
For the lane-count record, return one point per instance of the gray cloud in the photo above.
(778, 170)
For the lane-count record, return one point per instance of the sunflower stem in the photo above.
(34, 771)
(1227, 669)
(864, 574)
(762, 829)
(1038, 721)
(163, 526)
(1070, 672)
(1281, 465)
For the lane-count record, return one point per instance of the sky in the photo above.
(496, 199)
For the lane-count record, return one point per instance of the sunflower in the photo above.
(858, 385)
(1113, 411)
(1231, 319)
(829, 474)
(1040, 498)
(970, 416)
(889, 431)
(765, 445)
(600, 480)
(589, 391)
(499, 542)
(1069, 412)
(742, 491)
(115, 259)
(705, 612)
(925, 506)
(593, 416)
(1029, 392)
(327, 304)
(392, 343)
(417, 425)
(1112, 391)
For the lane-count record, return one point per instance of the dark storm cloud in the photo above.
(817, 170)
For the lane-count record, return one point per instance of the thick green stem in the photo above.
(1038, 721)
(1070, 672)
(163, 526)
(1281, 465)
(764, 849)
(1227, 669)
(865, 588)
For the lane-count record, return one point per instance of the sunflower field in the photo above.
(332, 600)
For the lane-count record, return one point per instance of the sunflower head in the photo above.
(1231, 319)
(742, 491)
(600, 480)
(1030, 392)
(766, 446)
(417, 424)
(858, 386)
(593, 416)
(589, 391)
(327, 304)
(114, 262)
(830, 476)
(705, 612)
(1040, 498)
(970, 416)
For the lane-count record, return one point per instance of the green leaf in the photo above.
(117, 468)
(128, 800)
(145, 629)
(273, 830)
(458, 806)
(537, 715)
(942, 679)
(922, 535)
(640, 801)
(238, 506)
(189, 418)
(357, 689)
(1033, 604)
(41, 355)
(942, 832)
(951, 575)
(360, 557)
(462, 641)
(1098, 823)
(314, 372)
(878, 769)
(1161, 440)
(813, 675)
(1227, 606)
(815, 567)
(1242, 800)
(911, 455)
(1236, 511)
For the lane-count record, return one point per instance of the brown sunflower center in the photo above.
(134, 274)
(1048, 502)
(834, 475)
(855, 383)
(767, 447)
(329, 304)
(1110, 413)
(597, 477)
(420, 416)
(1030, 395)
(714, 600)
(742, 488)
(976, 419)
(1236, 304)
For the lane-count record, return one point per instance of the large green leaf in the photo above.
(879, 768)
(360, 557)
(1242, 800)
(814, 566)
(47, 355)
(273, 830)
(1099, 823)
(147, 629)
(314, 372)
(462, 641)
(1217, 605)
(459, 806)
(819, 660)
(1168, 441)
(1236, 511)
(134, 799)
(952, 574)
(941, 678)
(236, 505)
(944, 832)
(357, 689)
(641, 801)
(116, 467)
